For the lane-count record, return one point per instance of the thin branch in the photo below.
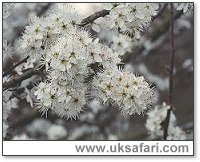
(22, 77)
(93, 17)
(8, 71)
(171, 73)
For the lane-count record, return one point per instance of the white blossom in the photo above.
(154, 123)
(175, 133)
(68, 51)
(130, 17)
(122, 43)
(131, 93)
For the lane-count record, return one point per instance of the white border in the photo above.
(119, 147)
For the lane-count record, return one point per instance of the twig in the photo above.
(14, 66)
(22, 77)
(93, 17)
(171, 74)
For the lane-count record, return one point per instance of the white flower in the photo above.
(64, 100)
(73, 108)
(94, 51)
(121, 44)
(132, 94)
(129, 17)
(155, 119)
(175, 133)
(69, 52)
(42, 90)
(117, 17)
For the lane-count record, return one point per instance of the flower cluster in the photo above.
(68, 53)
(131, 93)
(64, 100)
(155, 118)
(41, 33)
(129, 17)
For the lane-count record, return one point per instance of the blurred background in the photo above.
(149, 58)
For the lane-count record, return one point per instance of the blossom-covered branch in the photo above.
(48, 40)
(32, 72)
(22, 77)
(8, 71)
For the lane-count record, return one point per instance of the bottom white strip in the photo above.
(97, 147)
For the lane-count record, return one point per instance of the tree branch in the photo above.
(171, 73)
(14, 66)
(22, 77)
(93, 17)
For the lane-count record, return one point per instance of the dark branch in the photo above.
(93, 17)
(22, 77)
(14, 66)
(171, 73)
